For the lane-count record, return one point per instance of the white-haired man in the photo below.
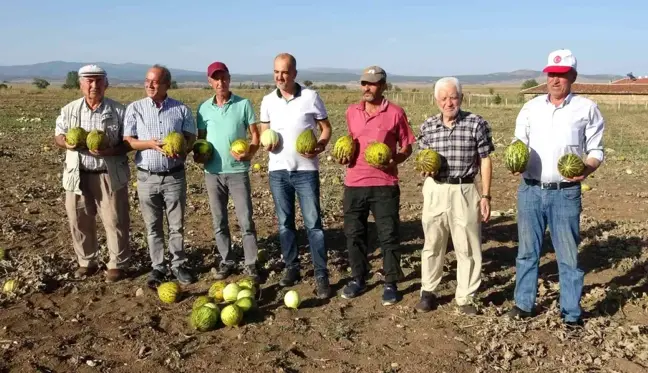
(96, 181)
(552, 125)
(452, 203)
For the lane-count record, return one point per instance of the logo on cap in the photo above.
(557, 59)
(371, 71)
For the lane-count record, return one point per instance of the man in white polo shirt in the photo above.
(289, 110)
(552, 125)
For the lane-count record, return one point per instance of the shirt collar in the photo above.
(229, 100)
(164, 102)
(566, 101)
(85, 103)
(298, 90)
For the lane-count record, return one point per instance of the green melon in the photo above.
(344, 147)
(306, 142)
(377, 154)
(200, 301)
(203, 147)
(245, 304)
(231, 315)
(174, 143)
(516, 156)
(239, 146)
(571, 165)
(205, 318)
(216, 290)
(428, 160)
(269, 137)
(96, 140)
(246, 283)
(168, 292)
(76, 136)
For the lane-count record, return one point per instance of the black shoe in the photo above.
(182, 275)
(223, 272)
(516, 313)
(427, 302)
(390, 294)
(155, 278)
(578, 324)
(354, 288)
(252, 272)
(468, 309)
(323, 288)
(291, 276)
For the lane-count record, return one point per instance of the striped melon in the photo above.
(306, 142)
(516, 156)
(377, 154)
(205, 317)
(168, 292)
(344, 147)
(427, 160)
(571, 165)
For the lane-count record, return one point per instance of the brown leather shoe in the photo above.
(114, 275)
(85, 271)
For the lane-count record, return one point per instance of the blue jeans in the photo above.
(560, 210)
(284, 185)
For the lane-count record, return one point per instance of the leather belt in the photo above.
(162, 173)
(552, 186)
(455, 180)
(94, 171)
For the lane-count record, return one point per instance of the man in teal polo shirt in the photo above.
(222, 119)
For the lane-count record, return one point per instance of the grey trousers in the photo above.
(159, 196)
(219, 188)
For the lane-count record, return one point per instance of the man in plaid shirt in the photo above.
(452, 204)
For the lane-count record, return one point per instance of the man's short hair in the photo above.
(166, 74)
(289, 57)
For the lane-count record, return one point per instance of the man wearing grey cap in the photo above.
(96, 181)
(374, 189)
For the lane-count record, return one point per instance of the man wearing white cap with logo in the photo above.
(96, 181)
(553, 125)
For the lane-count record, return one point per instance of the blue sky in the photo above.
(414, 37)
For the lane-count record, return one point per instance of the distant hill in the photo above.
(131, 73)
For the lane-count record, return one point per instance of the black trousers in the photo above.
(384, 203)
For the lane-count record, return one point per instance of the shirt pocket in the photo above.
(573, 133)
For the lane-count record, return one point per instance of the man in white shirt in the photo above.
(553, 125)
(289, 110)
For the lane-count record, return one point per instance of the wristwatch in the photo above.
(487, 196)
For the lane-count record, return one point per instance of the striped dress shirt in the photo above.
(145, 121)
(460, 146)
(575, 126)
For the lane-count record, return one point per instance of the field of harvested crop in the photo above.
(54, 323)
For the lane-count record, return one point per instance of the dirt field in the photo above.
(58, 324)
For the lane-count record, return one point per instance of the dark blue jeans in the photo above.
(284, 185)
(560, 210)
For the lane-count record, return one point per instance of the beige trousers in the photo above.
(451, 209)
(112, 207)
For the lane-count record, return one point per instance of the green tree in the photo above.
(40, 83)
(491, 90)
(308, 83)
(529, 83)
(72, 80)
(174, 85)
(497, 99)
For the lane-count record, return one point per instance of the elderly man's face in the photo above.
(284, 73)
(155, 87)
(93, 87)
(449, 100)
(559, 84)
(372, 91)
(220, 82)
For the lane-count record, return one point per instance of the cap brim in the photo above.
(211, 73)
(556, 69)
(370, 78)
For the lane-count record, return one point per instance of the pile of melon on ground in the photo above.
(225, 303)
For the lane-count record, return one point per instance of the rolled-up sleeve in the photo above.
(594, 134)
(61, 127)
(424, 139)
(522, 125)
(484, 139)
(130, 121)
(188, 123)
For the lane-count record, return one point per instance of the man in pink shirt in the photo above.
(374, 189)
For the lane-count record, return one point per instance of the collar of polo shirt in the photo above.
(153, 102)
(565, 101)
(298, 90)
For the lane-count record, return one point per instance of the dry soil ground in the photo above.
(57, 324)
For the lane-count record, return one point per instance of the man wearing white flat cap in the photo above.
(96, 181)
(552, 125)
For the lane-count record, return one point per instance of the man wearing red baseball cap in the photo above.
(223, 119)
(553, 125)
